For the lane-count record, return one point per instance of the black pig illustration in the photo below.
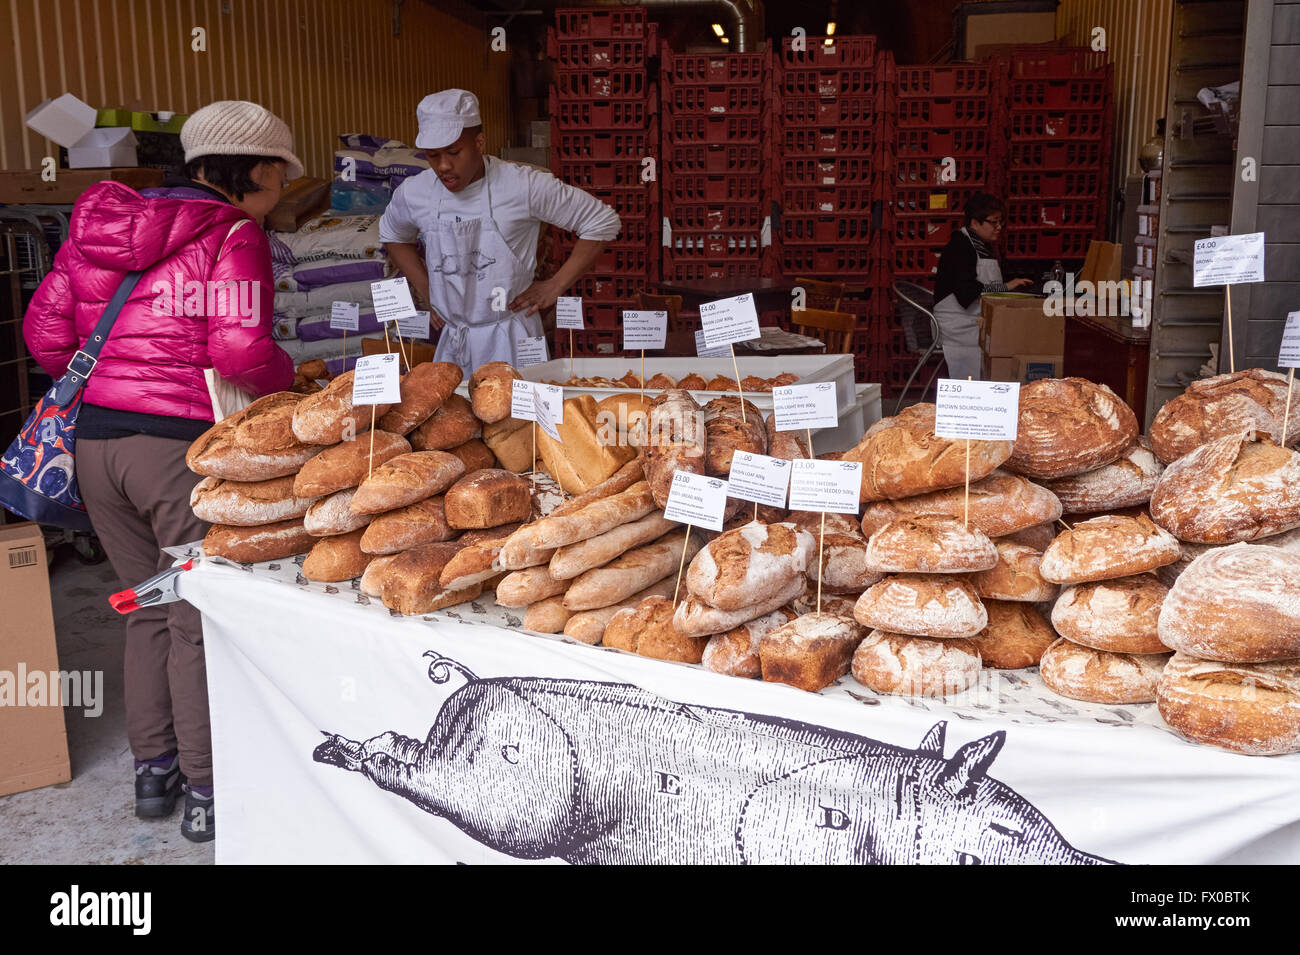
(593, 772)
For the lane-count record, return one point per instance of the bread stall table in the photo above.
(343, 732)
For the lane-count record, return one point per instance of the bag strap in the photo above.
(86, 357)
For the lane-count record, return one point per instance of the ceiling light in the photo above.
(717, 29)
(726, 39)
(830, 28)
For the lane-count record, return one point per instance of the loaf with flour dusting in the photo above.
(1097, 676)
(1015, 577)
(1107, 547)
(751, 562)
(695, 618)
(1126, 482)
(328, 417)
(1248, 400)
(1000, 504)
(735, 653)
(1069, 426)
(1038, 537)
(588, 626)
(929, 545)
(215, 453)
(247, 503)
(1253, 709)
(334, 514)
(809, 652)
(676, 441)
(1017, 636)
(647, 629)
(915, 666)
(1120, 616)
(922, 605)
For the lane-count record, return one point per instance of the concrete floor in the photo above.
(91, 820)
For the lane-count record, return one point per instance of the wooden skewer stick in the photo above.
(685, 541)
(570, 352)
(1063, 524)
(1227, 294)
(1290, 379)
(642, 375)
(370, 462)
(821, 551)
(736, 368)
(965, 517)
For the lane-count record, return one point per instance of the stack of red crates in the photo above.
(604, 126)
(1057, 115)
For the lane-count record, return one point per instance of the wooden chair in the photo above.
(833, 328)
(819, 294)
(672, 304)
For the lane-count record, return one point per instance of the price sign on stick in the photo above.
(345, 316)
(376, 380)
(530, 351)
(829, 486)
(568, 312)
(548, 405)
(392, 298)
(642, 330)
(758, 478)
(798, 407)
(729, 320)
(704, 351)
(977, 410)
(417, 326)
(1229, 260)
(1288, 357)
(696, 499)
(521, 400)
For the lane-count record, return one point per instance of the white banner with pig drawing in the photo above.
(342, 734)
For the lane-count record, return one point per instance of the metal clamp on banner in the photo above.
(158, 589)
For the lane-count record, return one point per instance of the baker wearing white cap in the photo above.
(478, 217)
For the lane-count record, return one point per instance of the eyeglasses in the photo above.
(995, 223)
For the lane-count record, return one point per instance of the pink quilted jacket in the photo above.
(154, 358)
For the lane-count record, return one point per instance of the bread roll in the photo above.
(660, 381)
(477, 562)
(547, 616)
(1119, 616)
(490, 390)
(372, 579)
(451, 425)
(424, 522)
(512, 443)
(727, 431)
(215, 454)
(347, 464)
(1231, 489)
(1016, 576)
(251, 545)
(1248, 400)
(1106, 547)
(1039, 537)
(929, 545)
(1069, 426)
(692, 382)
(789, 445)
(424, 389)
(580, 460)
(475, 455)
(247, 503)
(735, 653)
(1126, 482)
(488, 498)
(695, 618)
(915, 666)
(528, 586)
(327, 417)
(1000, 504)
(588, 626)
(334, 514)
(1249, 709)
(647, 629)
(1096, 676)
(336, 558)
(750, 562)
(676, 441)
(1016, 637)
(573, 559)
(809, 652)
(922, 605)
(406, 479)
(633, 571)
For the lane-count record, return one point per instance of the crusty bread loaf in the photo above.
(841, 551)
(547, 616)
(328, 417)
(1069, 426)
(922, 605)
(1237, 604)
(512, 442)
(1125, 482)
(347, 464)
(735, 653)
(929, 545)
(632, 572)
(1016, 637)
(596, 518)
(523, 587)
(588, 626)
(406, 479)
(1230, 489)
(251, 545)
(268, 429)
(1016, 576)
(840, 606)
(490, 389)
(1097, 676)
(475, 455)
(695, 618)
(915, 666)
(1253, 709)
(789, 445)
(676, 441)
(214, 453)
(624, 419)
(476, 563)
(727, 431)
(336, 558)
(647, 629)
(410, 585)
(748, 563)
(424, 522)
(573, 559)
(906, 458)
(451, 425)
(334, 514)
(1106, 547)
(372, 578)
(424, 389)
(247, 503)
(1039, 537)
(1248, 400)
(809, 652)
(1000, 504)
(488, 498)
(1119, 616)
(580, 460)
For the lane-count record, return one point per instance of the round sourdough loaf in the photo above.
(727, 431)
(424, 388)
(1016, 636)
(1127, 482)
(1015, 577)
(647, 629)
(490, 388)
(1249, 400)
(1120, 616)
(1288, 541)
(1249, 709)
(748, 564)
(922, 605)
(1238, 604)
(1231, 489)
(915, 666)
(929, 545)
(1000, 504)
(906, 458)
(1069, 426)
(1096, 676)
(1107, 547)
(1039, 537)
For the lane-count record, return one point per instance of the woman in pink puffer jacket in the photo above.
(147, 399)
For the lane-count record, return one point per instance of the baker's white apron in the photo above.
(959, 327)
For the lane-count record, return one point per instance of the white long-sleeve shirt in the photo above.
(522, 196)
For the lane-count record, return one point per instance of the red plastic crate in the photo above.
(863, 259)
(631, 203)
(1082, 184)
(702, 270)
(944, 113)
(1064, 154)
(714, 100)
(609, 84)
(605, 114)
(693, 187)
(1054, 213)
(841, 51)
(735, 159)
(942, 81)
(838, 228)
(965, 171)
(599, 24)
(603, 287)
(687, 244)
(937, 143)
(1056, 94)
(588, 342)
(842, 170)
(1057, 64)
(927, 230)
(1038, 243)
(1071, 124)
(915, 260)
(827, 83)
(602, 146)
(714, 69)
(636, 234)
(823, 199)
(714, 217)
(831, 141)
(619, 174)
(930, 199)
(714, 129)
(813, 111)
(604, 315)
(603, 53)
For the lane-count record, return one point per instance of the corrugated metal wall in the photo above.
(1137, 37)
(324, 66)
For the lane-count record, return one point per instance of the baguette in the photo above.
(477, 563)
(573, 559)
(547, 616)
(596, 518)
(528, 586)
(634, 571)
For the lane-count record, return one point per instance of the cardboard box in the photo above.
(303, 198)
(1023, 368)
(1102, 263)
(539, 134)
(104, 148)
(33, 738)
(64, 119)
(415, 352)
(1011, 326)
(28, 186)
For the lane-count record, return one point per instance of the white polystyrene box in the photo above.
(64, 119)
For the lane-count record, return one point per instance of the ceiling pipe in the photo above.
(746, 16)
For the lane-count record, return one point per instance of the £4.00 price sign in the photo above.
(978, 410)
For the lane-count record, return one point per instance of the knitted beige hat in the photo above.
(238, 128)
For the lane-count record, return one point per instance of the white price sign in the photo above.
(376, 380)
(979, 410)
(758, 478)
(704, 351)
(568, 312)
(696, 499)
(832, 486)
(1288, 355)
(643, 330)
(530, 351)
(521, 400)
(345, 315)
(1229, 260)
(805, 406)
(729, 320)
(415, 327)
(548, 403)
(392, 298)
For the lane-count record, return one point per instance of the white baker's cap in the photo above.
(443, 117)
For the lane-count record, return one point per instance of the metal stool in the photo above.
(920, 332)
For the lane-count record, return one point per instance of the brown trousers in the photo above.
(137, 491)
